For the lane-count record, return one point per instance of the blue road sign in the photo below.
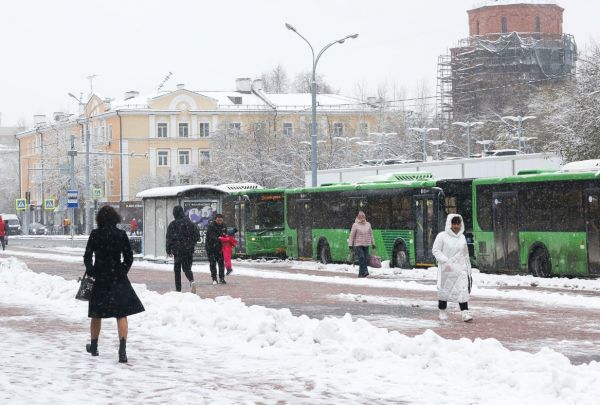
(72, 199)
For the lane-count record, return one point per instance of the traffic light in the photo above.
(27, 196)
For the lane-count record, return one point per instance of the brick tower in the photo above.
(513, 45)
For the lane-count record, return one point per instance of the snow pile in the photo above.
(255, 354)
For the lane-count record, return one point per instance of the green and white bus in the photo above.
(406, 212)
(537, 222)
(259, 217)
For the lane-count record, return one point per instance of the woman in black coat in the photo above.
(112, 295)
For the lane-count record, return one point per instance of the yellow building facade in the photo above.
(138, 140)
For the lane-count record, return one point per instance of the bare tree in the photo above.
(570, 114)
(303, 84)
(276, 80)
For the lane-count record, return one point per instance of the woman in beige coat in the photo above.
(361, 237)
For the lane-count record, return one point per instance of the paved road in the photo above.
(517, 324)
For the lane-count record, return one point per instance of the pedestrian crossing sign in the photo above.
(21, 204)
(97, 193)
(49, 204)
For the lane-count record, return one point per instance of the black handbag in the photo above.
(85, 288)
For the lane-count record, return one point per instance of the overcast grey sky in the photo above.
(50, 46)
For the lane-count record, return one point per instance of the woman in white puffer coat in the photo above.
(454, 267)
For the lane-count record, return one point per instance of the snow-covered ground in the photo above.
(185, 349)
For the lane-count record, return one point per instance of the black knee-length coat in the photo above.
(112, 295)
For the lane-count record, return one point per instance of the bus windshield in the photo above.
(266, 215)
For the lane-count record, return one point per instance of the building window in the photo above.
(204, 158)
(538, 24)
(184, 130)
(504, 27)
(161, 130)
(163, 157)
(103, 134)
(235, 126)
(111, 187)
(109, 162)
(364, 128)
(288, 128)
(477, 29)
(184, 157)
(110, 136)
(204, 129)
(338, 129)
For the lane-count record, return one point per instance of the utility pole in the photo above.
(72, 153)
(88, 190)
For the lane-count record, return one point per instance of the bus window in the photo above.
(484, 207)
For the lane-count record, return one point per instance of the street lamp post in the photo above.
(468, 125)
(88, 188)
(347, 140)
(313, 136)
(424, 132)
(437, 144)
(519, 120)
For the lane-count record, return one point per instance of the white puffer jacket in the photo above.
(454, 267)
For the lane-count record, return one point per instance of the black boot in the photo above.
(122, 351)
(92, 348)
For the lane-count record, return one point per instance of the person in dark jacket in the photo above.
(2, 232)
(214, 248)
(182, 236)
(112, 295)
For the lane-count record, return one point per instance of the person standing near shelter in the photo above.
(133, 227)
(112, 294)
(454, 267)
(66, 225)
(2, 233)
(361, 237)
(214, 248)
(228, 242)
(182, 236)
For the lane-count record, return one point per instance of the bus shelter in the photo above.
(200, 203)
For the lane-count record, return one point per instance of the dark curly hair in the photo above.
(107, 215)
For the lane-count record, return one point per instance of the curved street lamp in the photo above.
(315, 60)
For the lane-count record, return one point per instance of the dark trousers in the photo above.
(215, 258)
(362, 254)
(464, 306)
(183, 262)
(3, 242)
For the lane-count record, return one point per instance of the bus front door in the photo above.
(506, 232)
(426, 228)
(304, 229)
(592, 227)
(242, 210)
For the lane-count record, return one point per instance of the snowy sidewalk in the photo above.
(522, 312)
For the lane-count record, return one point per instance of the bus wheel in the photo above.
(539, 263)
(401, 257)
(324, 253)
